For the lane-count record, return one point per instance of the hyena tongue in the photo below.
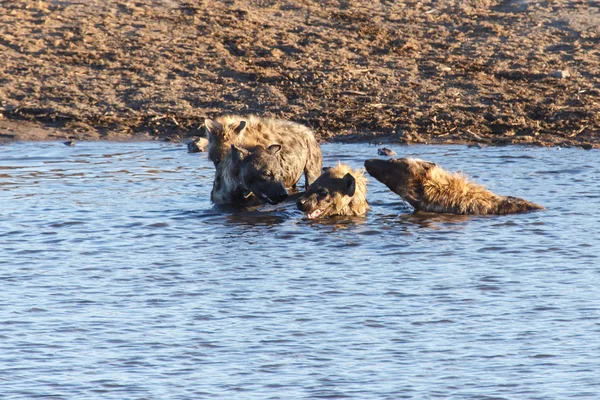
(315, 213)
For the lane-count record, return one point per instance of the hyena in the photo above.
(428, 187)
(250, 178)
(226, 130)
(339, 190)
(227, 188)
(252, 131)
(265, 157)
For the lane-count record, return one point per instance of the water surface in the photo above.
(119, 280)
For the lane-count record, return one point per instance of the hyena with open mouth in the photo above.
(339, 190)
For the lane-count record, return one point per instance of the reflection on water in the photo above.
(119, 279)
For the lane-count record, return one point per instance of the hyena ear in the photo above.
(213, 128)
(274, 149)
(350, 184)
(237, 155)
(209, 124)
(427, 165)
(240, 128)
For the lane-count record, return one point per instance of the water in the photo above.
(119, 280)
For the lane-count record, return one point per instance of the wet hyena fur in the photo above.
(262, 169)
(254, 176)
(224, 131)
(250, 177)
(228, 189)
(428, 187)
(339, 190)
(297, 141)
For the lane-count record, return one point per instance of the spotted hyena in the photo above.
(338, 191)
(227, 188)
(252, 131)
(428, 187)
(250, 177)
(223, 131)
(265, 157)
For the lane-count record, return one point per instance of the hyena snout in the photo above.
(309, 203)
(271, 192)
(378, 169)
(301, 203)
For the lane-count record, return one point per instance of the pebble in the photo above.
(561, 74)
(276, 53)
(69, 143)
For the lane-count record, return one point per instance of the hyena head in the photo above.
(329, 194)
(220, 135)
(404, 176)
(260, 172)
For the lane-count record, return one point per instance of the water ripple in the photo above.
(121, 280)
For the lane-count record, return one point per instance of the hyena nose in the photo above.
(280, 197)
(278, 194)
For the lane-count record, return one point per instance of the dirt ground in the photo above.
(492, 72)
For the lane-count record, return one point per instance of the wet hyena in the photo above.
(252, 131)
(428, 187)
(224, 131)
(339, 190)
(250, 177)
(264, 167)
(227, 188)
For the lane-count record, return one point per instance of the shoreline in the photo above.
(489, 72)
(27, 131)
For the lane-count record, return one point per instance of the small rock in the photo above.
(587, 146)
(69, 143)
(561, 74)
(384, 151)
(276, 53)
(198, 145)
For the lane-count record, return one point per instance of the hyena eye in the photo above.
(322, 192)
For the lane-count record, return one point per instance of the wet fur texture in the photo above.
(338, 191)
(428, 187)
(240, 147)
(251, 131)
(228, 189)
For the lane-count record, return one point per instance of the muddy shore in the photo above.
(489, 72)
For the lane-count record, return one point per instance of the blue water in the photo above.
(119, 280)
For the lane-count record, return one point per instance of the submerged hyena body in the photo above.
(428, 187)
(258, 159)
(338, 191)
